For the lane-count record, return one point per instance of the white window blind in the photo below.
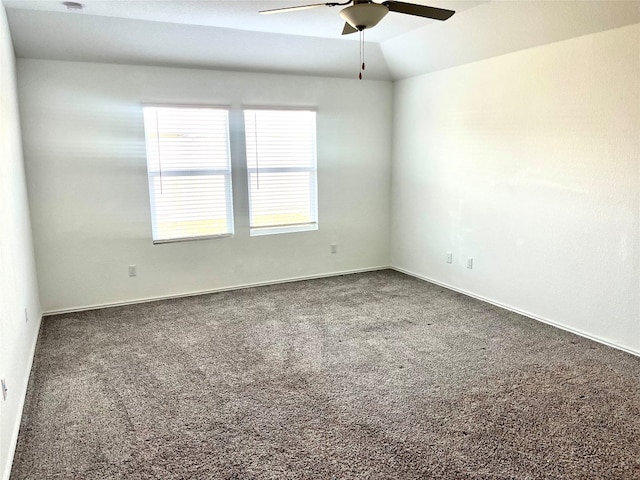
(281, 169)
(189, 172)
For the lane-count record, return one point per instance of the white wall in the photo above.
(529, 163)
(497, 28)
(86, 169)
(18, 286)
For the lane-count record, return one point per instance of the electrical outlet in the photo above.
(334, 248)
(449, 257)
(26, 315)
(4, 389)
(469, 262)
(133, 270)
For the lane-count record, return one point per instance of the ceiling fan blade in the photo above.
(291, 9)
(302, 7)
(418, 10)
(348, 29)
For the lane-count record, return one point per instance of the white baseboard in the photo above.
(214, 290)
(23, 397)
(521, 312)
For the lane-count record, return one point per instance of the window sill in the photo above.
(256, 232)
(190, 239)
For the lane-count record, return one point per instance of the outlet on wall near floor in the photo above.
(4, 389)
(449, 257)
(469, 262)
(334, 248)
(133, 270)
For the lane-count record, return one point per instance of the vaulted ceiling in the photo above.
(230, 35)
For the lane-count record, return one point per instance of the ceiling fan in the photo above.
(365, 14)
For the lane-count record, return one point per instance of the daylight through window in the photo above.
(281, 169)
(189, 172)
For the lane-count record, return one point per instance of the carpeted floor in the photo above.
(367, 376)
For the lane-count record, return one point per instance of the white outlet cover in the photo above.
(4, 389)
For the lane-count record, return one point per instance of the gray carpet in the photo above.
(366, 376)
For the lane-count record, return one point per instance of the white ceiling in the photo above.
(243, 15)
(230, 35)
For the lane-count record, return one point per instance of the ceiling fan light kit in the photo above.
(365, 14)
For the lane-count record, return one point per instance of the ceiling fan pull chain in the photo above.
(361, 32)
(363, 49)
(360, 42)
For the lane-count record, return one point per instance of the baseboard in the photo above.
(520, 312)
(23, 397)
(215, 290)
(347, 272)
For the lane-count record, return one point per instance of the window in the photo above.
(189, 172)
(281, 170)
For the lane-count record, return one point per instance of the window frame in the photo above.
(312, 170)
(227, 174)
